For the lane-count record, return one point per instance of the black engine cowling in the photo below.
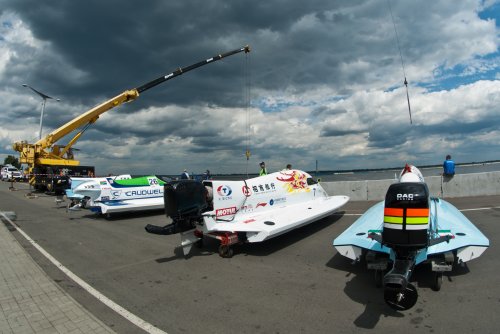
(185, 201)
(406, 215)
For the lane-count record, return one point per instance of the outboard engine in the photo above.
(185, 201)
(405, 231)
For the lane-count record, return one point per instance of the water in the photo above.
(329, 176)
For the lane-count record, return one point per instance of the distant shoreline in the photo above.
(360, 174)
(350, 171)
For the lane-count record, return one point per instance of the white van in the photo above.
(10, 173)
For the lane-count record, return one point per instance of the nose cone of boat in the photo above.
(90, 189)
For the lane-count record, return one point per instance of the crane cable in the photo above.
(401, 57)
(247, 109)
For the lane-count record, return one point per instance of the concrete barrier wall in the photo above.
(460, 185)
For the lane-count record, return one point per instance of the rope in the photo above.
(247, 110)
(401, 57)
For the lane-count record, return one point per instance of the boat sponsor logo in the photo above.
(277, 200)
(224, 190)
(116, 193)
(264, 188)
(246, 191)
(247, 208)
(404, 197)
(143, 192)
(248, 221)
(224, 193)
(261, 204)
(225, 211)
(103, 183)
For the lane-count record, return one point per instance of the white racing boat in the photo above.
(119, 194)
(253, 210)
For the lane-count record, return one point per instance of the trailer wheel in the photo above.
(225, 251)
(438, 280)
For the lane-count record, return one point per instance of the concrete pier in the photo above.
(460, 185)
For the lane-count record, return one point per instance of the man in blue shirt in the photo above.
(448, 166)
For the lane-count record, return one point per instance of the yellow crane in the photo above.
(45, 152)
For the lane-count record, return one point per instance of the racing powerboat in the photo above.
(406, 229)
(252, 210)
(119, 194)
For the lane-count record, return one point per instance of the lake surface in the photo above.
(329, 176)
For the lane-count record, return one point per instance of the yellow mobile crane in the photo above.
(44, 153)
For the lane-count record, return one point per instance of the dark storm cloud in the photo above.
(385, 136)
(122, 44)
(334, 132)
(324, 110)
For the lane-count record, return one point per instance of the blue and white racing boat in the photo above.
(407, 229)
(119, 194)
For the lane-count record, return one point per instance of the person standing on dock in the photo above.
(185, 175)
(263, 170)
(448, 166)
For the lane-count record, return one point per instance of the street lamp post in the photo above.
(44, 97)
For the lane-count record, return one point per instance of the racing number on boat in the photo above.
(153, 181)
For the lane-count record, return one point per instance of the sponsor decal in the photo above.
(261, 204)
(143, 192)
(225, 211)
(404, 197)
(264, 188)
(277, 200)
(246, 191)
(103, 183)
(294, 181)
(224, 192)
(248, 221)
(246, 208)
(116, 193)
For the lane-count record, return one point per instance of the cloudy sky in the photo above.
(324, 81)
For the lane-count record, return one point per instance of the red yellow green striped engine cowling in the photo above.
(406, 215)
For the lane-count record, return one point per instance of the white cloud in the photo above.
(326, 84)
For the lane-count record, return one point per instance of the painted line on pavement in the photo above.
(478, 209)
(144, 325)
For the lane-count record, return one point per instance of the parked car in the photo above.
(10, 173)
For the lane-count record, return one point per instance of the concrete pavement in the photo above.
(30, 302)
(295, 284)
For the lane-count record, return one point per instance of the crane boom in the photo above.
(38, 153)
